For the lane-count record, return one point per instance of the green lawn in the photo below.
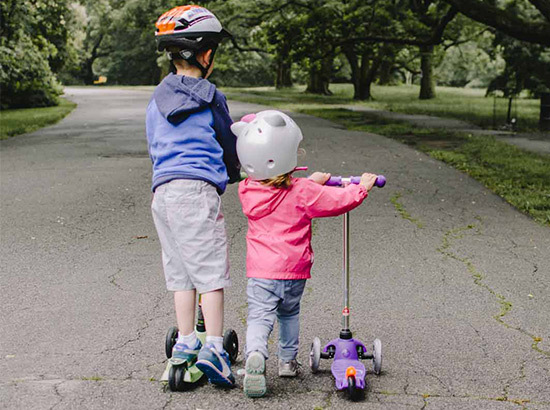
(466, 104)
(24, 120)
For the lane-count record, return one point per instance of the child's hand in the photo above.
(320, 177)
(368, 180)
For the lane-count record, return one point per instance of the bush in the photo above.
(26, 79)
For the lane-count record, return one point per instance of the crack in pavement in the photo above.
(400, 208)
(505, 306)
(140, 330)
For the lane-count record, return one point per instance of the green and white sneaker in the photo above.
(254, 384)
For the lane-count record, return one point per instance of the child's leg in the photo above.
(212, 309)
(288, 315)
(263, 299)
(213, 360)
(184, 301)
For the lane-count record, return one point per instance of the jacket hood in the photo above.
(259, 200)
(179, 96)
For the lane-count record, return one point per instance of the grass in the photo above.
(522, 178)
(465, 104)
(24, 120)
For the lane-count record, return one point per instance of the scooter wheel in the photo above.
(377, 353)
(353, 390)
(176, 378)
(231, 344)
(315, 355)
(171, 338)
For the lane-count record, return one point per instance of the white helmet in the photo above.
(267, 144)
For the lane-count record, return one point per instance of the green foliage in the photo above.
(21, 121)
(527, 67)
(33, 40)
(25, 77)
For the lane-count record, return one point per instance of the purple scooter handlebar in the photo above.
(338, 181)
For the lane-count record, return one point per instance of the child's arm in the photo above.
(323, 201)
(227, 140)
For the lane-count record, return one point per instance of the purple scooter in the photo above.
(348, 371)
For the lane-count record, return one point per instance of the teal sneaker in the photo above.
(254, 384)
(216, 366)
(181, 353)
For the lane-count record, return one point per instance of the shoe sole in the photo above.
(287, 374)
(214, 375)
(254, 384)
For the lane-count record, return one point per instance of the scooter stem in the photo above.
(345, 311)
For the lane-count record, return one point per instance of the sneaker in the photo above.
(254, 379)
(288, 368)
(216, 366)
(182, 353)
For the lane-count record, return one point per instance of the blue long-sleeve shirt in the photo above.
(189, 135)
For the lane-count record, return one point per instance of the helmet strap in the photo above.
(191, 57)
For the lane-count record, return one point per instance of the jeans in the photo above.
(269, 299)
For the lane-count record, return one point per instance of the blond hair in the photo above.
(280, 181)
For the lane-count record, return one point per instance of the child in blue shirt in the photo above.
(194, 156)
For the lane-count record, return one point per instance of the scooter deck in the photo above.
(345, 356)
(192, 375)
(339, 369)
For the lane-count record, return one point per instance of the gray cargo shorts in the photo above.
(191, 228)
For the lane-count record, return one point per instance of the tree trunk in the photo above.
(354, 65)
(88, 72)
(367, 74)
(284, 67)
(284, 77)
(385, 71)
(319, 77)
(427, 83)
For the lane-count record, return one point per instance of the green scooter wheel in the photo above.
(175, 378)
(171, 338)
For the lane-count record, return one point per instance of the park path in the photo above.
(454, 281)
(538, 142)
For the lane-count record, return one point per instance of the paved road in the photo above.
(453, 280)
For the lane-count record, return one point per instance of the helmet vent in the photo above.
(260, 130)
(270, 164)
(275, 121)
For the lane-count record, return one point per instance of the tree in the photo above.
(33, 40)
(527, 67)
(530, 22)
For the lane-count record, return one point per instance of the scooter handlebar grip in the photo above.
(380, 181)
(337, 181)
(334, 181)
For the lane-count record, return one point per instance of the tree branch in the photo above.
(440, 28)
(246, 49)
(543, 6)
(507, 22)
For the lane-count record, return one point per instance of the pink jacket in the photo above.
(279, 224)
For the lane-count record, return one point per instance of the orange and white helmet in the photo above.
(191, 29)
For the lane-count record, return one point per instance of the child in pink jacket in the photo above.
(279, 257)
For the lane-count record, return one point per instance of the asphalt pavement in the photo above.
(452, 279)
